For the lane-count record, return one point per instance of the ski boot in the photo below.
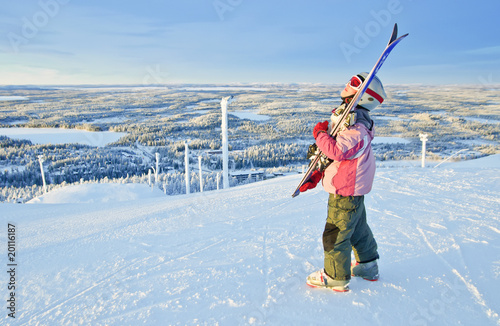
(368, 271)
(320, 279)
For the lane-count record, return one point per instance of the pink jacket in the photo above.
(353, 169)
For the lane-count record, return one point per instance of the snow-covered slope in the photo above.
(98, 193)
(241, 256)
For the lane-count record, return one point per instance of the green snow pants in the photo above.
(345, 230)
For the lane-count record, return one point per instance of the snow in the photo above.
(334, 99)
(62, 136)
(224, 88)
(488, 162)
(18, 122)
(98, 193)
(240, 256)
(106, 120)
(13, 98)
(250, 115)
(390, 140)
(482, 120)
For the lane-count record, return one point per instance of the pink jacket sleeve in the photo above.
(348, 144)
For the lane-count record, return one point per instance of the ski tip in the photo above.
(401, 37)
(394, 35)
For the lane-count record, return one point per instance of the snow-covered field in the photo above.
(13, 98)
(98, 193)
(251, 116)
(240, 256)
(390, 140)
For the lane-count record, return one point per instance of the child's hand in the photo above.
(320, 127)
(312, 182)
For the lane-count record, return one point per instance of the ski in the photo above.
(393, 41)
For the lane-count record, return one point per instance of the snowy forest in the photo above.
(270, 129)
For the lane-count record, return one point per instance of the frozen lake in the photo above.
(250, 115)
(390, 140)
(13, 98)
(62, 136)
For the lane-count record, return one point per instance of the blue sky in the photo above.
(228, 41)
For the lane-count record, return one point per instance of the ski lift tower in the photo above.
(157, 156)
(225, 145)
(40, 160)
(186, 163)
(423, 138)
(200, 173)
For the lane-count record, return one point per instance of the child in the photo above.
(348, 178)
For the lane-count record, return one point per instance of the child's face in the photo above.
(348, 91)
(351, 87)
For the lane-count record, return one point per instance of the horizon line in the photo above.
(220, 84)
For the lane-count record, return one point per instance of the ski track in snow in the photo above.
(240, 256)
(447, 245)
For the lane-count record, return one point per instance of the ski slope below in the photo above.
(240, 256)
